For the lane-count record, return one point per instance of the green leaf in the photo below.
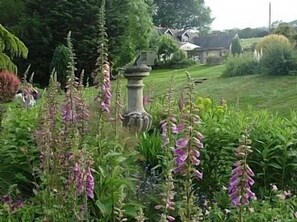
(104, 207)
(275, 165)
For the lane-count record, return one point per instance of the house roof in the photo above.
(176, 34)
(221, 41)
(162, 30)
(180, 33)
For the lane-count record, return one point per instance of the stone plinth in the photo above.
(135, 117)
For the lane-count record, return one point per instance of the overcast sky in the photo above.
(241, 14)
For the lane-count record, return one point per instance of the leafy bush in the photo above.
(287, 30)
(240, 66)
(221, 128)
(274, 157)
(213, 60)
(273, 208)
(279, 59)
(273, 38)
(166, 47)
(18, 149)
(9, 85)
(274, 145)
(178, 60)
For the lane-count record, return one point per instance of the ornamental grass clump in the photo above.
(241, 177)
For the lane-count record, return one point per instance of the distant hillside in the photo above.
(293, 23)
(245, 33)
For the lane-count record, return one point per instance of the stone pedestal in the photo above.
(135, 117)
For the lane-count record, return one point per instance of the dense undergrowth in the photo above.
(70, 159)
(133, 171)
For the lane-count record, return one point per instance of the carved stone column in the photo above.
(135, 117)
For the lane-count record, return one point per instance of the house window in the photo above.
(185, 38)
(143, 57)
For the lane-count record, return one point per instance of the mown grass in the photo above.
(273, 93)
(247, 44)
(159, 79)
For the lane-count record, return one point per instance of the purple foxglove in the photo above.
(177, 128)
(240, 184)
(106, 89)
(90, 183)
(78, 177)
(182, 143)
(185, 155)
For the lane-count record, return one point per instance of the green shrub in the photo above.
(274, 145)
(272, 39)
(178, 60)
(274, 157)
(166, 47)
(18, 149)
(240, 66)
(279, 59)
(271, 209)
(221, 128)
(213, 60)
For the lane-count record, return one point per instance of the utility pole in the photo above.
(269, 25)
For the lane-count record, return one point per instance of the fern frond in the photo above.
(12, 44)
(6, 63)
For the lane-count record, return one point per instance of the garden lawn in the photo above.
(273, 93)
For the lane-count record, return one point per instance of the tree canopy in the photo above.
(44, 25)
(11, 12)
(129, 26)
(287, 30)
(166, 47)
(182, 14)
